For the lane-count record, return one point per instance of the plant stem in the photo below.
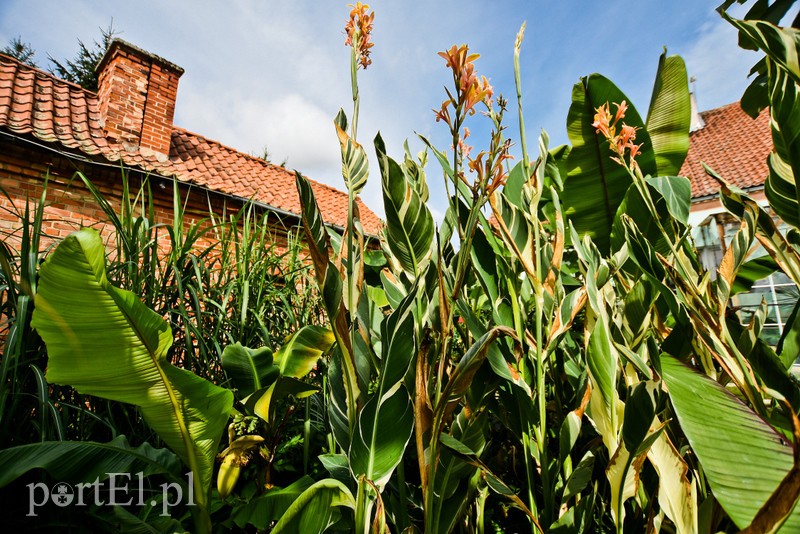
(363, 507)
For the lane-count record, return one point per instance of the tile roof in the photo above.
(35, 103)
(734, 145)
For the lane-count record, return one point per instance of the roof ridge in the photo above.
(46, 73)
(227, 147)
(722, 107)
(259, 160)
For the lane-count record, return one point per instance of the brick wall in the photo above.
(69, 204)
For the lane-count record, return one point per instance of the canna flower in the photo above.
(462, 144)
(602, 121)
(359, 31)
(621, 109)
(622, 142)
(471, 89)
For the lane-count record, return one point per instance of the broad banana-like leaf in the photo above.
(260, 511)
(301, 352)
(409, 223)
(103, 341)
(669, 116)
(355, 166)
(148, 521)
(293, 360)
(736, 201)
(387, 419)
(744, 459)
(85, 461)
(316, 508)
(789, 345)
(595, 185)
(623, 476)
(249, 369)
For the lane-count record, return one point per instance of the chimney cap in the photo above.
(119, 43)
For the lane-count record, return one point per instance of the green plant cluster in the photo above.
(552, 357)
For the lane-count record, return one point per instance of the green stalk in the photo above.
(363, 499)
(363, 507)
(526, 162)
(354, 84)
(306, 436)
(540, 431)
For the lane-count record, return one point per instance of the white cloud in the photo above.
(719, 65)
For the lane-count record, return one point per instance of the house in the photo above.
(50, 127)
(736, 147)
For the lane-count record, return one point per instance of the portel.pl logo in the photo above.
(119, 489)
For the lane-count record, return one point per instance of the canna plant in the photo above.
(562, 320)
(544, 360)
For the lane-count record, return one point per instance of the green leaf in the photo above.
(355, 166)
(468, 365)
(249, 369)
(789, 345)
(743, 458)
(384, 428)
(781, 187)
(294, 359)
(260, 511)
(316, 236)
(751, 272)
(301, 352)
(677, 194)
(602, 358)
(85, 461)
(639, 414)
(262, 402)
(595, 185)
(669, 115)
(781, 46)
(103, 341)
(387, 419)
(409, 223)
(580, 477)
(314, 510)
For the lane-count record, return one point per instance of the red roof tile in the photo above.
(732, 144)
(35, 103)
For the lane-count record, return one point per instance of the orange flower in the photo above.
(471, 89)
(621, 109)
(622, 142)
(359, 30)
(601, 122)
(462, 144)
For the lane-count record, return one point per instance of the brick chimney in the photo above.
(137, 91)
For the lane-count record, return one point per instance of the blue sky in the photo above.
(274, 73)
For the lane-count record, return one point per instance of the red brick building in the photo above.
(735, 146)
(52, 128)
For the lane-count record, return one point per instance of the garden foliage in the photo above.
(551, 357)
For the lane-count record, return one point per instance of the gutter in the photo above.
(121, 166)
(716, 195)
